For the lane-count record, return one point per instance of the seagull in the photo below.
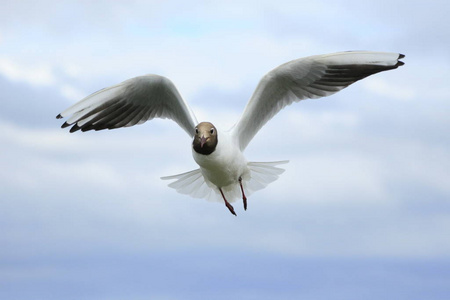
(224, 174)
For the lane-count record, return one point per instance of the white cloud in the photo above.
(347, 190)
(38, 74)
(346, 177)
(72, 93)
(71, 70)
(383, 88)
(38, 138)
(75, 160)
(314, 126)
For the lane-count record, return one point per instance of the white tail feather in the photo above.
(194, 184)
(191, 183)
(261, 174)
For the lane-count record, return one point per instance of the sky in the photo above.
(362, 211)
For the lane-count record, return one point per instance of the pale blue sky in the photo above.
(362, 211)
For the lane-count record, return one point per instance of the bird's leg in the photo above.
(227, 204)
(243, 194)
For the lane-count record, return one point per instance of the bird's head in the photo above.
(205, 138)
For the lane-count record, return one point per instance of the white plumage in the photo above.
(224, 172)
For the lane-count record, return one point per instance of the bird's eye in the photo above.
(196, 130)
(212, 131)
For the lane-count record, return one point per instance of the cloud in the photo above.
(36, 75)
(333, 163)
(383, 88)
(368, 167)
(72, 93)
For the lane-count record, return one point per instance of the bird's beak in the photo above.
(202, 141)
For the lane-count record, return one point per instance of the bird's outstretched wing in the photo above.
(131, 102)
(309, 77)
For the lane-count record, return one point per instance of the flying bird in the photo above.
(224, 174)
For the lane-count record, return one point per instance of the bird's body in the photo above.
(224, 172)
(225, 165)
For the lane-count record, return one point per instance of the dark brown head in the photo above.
(205, 138)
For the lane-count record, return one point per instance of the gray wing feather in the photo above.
(131, 102)
(307, 78)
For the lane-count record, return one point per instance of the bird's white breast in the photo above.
(225, 165)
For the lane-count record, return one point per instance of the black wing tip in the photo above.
(59, 116)
(74, 128)
(400, 63)
(85, 127)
